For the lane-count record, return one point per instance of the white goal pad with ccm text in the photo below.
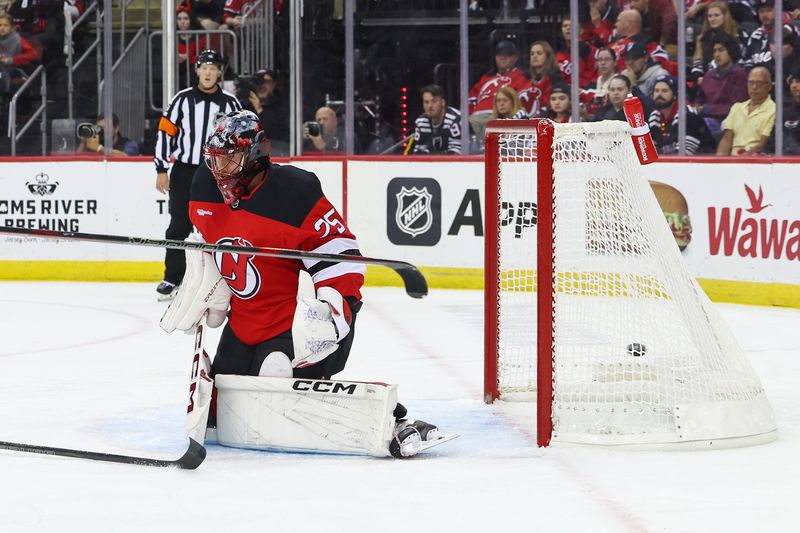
(305, 415)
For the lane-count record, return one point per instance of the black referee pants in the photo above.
(180, 184)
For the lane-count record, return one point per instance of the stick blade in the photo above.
(415, 283)
(193, 457)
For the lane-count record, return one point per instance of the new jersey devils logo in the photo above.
(237, 269)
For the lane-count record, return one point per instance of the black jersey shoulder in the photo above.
(288, 195)
(204, 188)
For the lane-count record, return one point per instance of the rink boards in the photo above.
(743, 246)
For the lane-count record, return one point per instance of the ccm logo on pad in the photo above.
(324, 386)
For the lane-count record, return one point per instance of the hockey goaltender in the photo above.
(278, 351)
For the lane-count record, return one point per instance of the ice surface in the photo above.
(85, 365)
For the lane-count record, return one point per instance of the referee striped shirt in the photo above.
(187, 123)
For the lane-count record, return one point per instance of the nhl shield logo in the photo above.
(413, 214)
(414, 211)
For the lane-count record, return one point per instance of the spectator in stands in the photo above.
(324, 134)
(618, 88)
(641, 69)
(233, 14)
(791, 116)
(600, 28)
(43, 20)
(725, 83)
(749, 124)
(188, 45)
(505, 74)
(15, 51)
(718, 21)
(438, 129)
(790, 55)
(756, 50)
(663, 121)
(209, 13)
(122, 145)
(660, 22)
(507, 105)
(560, 107)
(272, 110)
(586, 54)
(628, 30)
(535, 97)
(606, 69)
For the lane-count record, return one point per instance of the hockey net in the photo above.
(616, 338)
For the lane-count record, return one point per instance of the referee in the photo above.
(182, 131)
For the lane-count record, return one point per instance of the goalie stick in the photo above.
(414, 281)
(190, 460)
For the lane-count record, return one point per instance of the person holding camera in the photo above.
(271, 109)
(186, 124)
(323, 134)
(92, 135)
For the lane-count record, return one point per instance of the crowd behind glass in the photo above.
(625, 47)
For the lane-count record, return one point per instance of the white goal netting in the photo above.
(640, 355)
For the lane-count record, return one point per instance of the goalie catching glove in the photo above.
(201, 290)
(318, 326)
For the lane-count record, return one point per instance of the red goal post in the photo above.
(590, 309)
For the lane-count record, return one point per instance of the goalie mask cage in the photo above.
(614, 339)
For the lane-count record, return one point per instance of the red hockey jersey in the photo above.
(287, 210)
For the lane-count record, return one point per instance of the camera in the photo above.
(244, 86)
(314, 128)
(86, 130)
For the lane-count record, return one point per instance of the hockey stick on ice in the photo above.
(189, 461)
(415, 283)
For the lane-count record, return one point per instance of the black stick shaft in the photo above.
(190, 460)
(415, 283)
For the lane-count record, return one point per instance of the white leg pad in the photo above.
(290, 414)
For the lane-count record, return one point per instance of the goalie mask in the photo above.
(236, 152)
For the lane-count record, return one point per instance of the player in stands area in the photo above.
(240, 197)
(438, 129)
(183, 129)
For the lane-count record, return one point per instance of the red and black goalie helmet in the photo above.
(237, 151)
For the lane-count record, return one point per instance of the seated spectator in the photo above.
(725, 83)
(791, 116)
(505, 74)
(628, 30)
(663, 121)
(438, 129)
(43, 20)
(641, 69)
(600, 28)
(756, 50)
(324, 134)
(717, 22)
(749, 124)
(588, 68)
(660, 22)
(508, 105)
(606, 62)
(560, 107)
(535, 97)
(790, 55)
(15, 51)
(188, 45)
(272, 110)
(618, 88)
(122, 145)
(209, 13)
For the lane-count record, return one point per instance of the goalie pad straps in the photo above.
(201, 290)
(318, 325)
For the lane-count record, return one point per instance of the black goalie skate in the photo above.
(413, 436)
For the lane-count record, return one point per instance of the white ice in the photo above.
(85, 365)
